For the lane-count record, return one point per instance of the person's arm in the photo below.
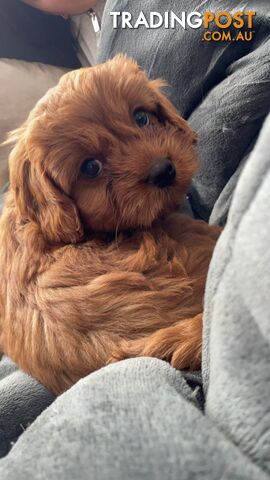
(62, 7)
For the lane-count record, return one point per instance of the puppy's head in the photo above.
(104, 150)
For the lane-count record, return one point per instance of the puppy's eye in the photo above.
(91, 167)
(141, 118)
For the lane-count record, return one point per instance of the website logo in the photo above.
(221, 26)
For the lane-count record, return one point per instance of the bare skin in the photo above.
(62, 7)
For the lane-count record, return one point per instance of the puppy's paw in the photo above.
(127, 349)
(215, 231)
(178, 225)
(180, 345)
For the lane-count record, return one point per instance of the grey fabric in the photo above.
(219, 214)
(222, 88)
(22, 399)
(136, 420)
(237, 334)
(140, 418)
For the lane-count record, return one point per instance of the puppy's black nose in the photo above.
(162, 173)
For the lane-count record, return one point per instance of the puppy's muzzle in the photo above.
(162, 173)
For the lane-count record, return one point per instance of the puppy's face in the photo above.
(108, 143)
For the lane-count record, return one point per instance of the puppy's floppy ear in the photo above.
(167, 111)
(37, 197)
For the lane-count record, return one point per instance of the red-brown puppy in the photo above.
(92, 267)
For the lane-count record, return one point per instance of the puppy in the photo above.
(94, 267)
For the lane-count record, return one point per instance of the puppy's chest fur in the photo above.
(151, 253)
(166, 266)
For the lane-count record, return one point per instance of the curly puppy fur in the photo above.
(93, 270)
